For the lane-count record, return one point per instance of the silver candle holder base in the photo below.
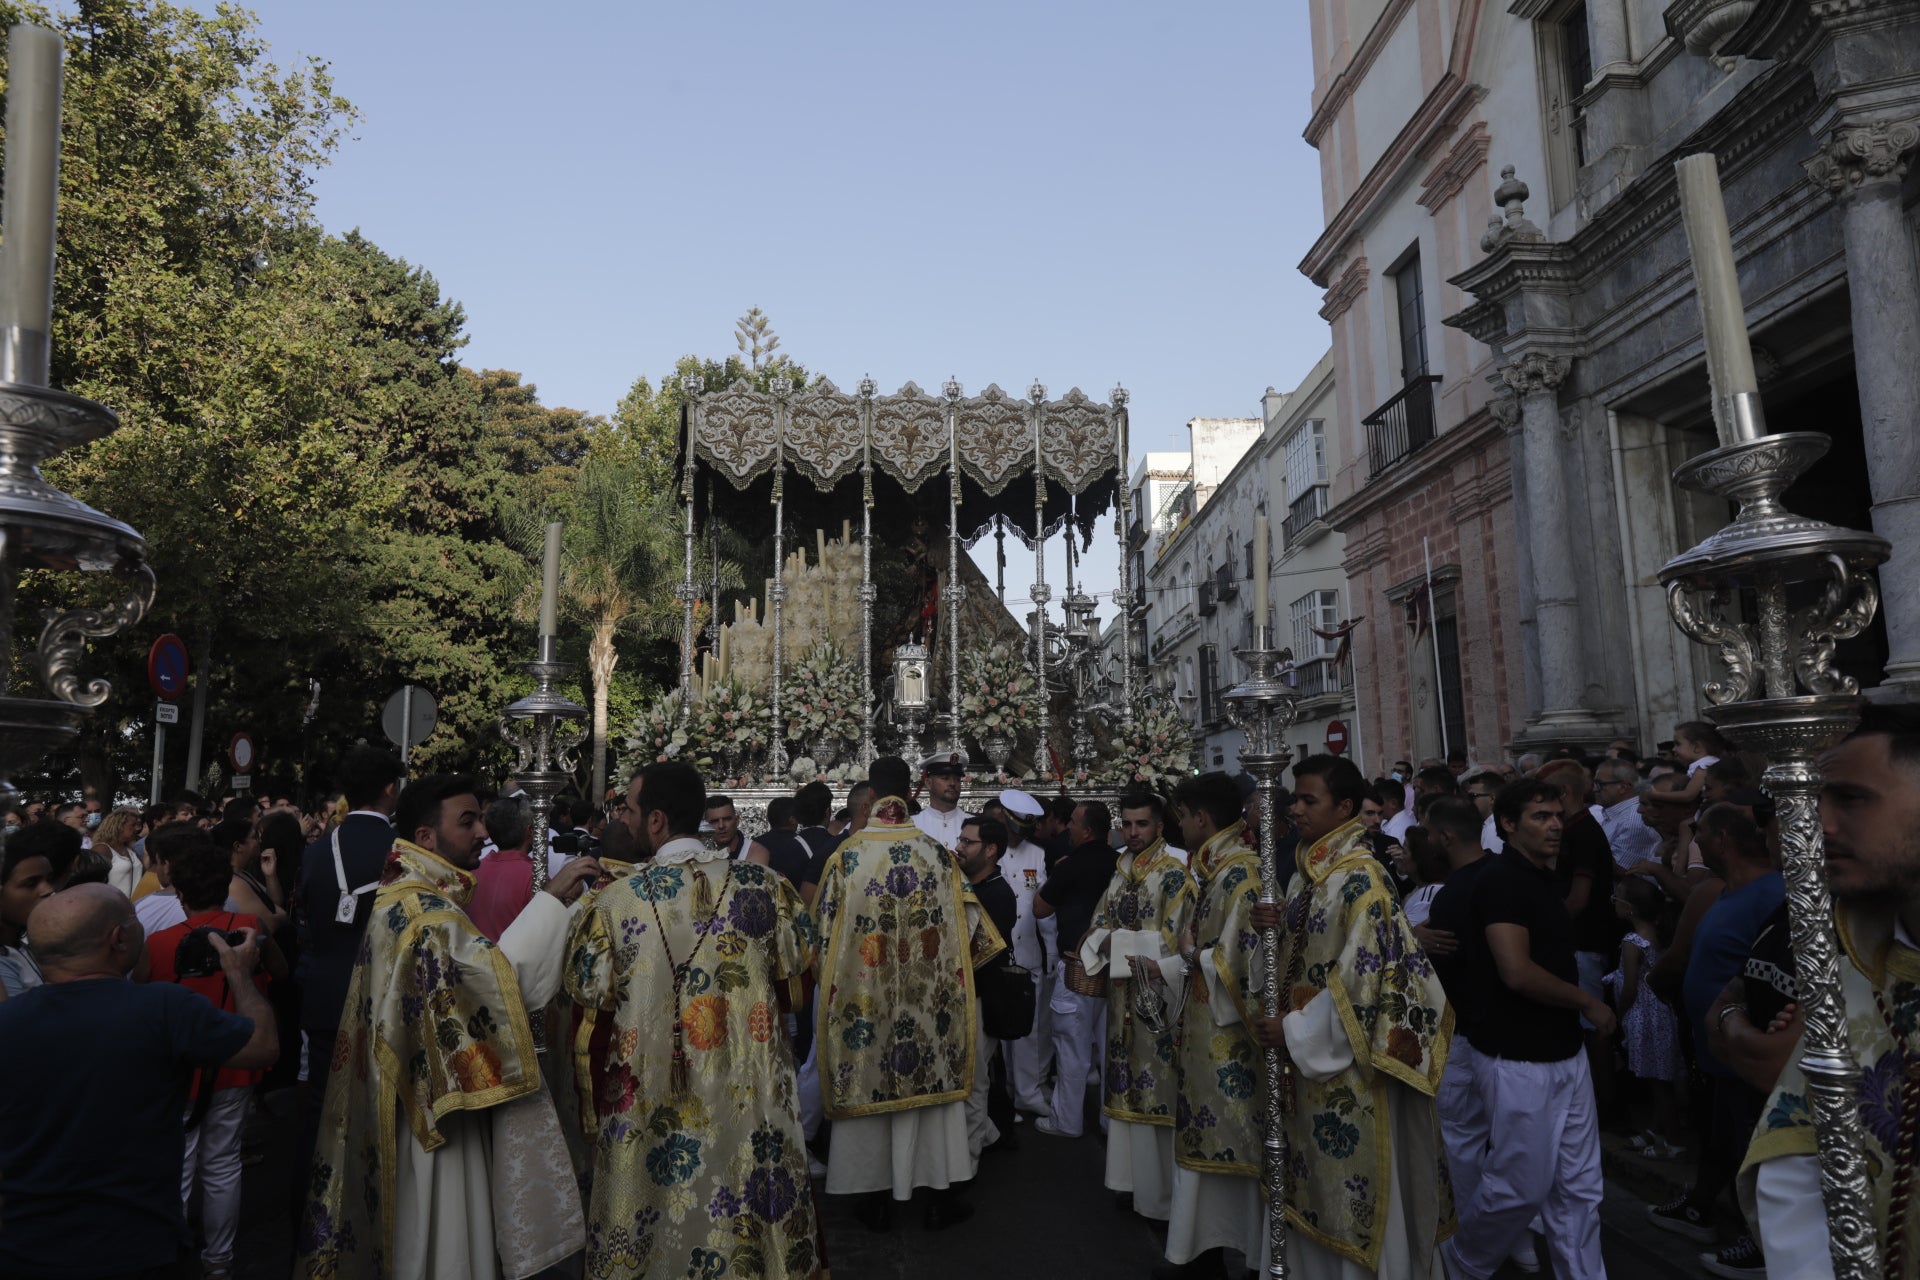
(1263, 707)
(545, 731)
(1813, 586)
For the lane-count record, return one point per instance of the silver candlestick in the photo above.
(1262, 706)
(545, 729)
(1783, 698)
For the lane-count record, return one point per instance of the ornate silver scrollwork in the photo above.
(1153, 1002)
(1843, 611)
(1735, 642)
(63, 641)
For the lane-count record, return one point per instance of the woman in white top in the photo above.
(116, 837)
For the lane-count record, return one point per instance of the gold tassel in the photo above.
(677, 1075)
(702, 894)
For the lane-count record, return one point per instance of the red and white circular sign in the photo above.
(240, 752)
(1336, 737)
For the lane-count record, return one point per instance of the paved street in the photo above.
(1040, 1214)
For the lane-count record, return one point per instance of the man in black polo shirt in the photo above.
(1543, 1156)
(979, 847)
(1071, 895)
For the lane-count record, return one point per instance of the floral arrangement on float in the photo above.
(1157, 751)
(997, 699)
(822, 710)
(726, 731)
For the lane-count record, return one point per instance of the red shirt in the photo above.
(503, 885)
(160, 952)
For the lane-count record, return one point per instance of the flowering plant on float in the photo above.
(656, 734)
(826, 699)
(1156, 751)
(731, 720)
(997, 692)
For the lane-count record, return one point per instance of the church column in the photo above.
(1553, 581)
(1861, 166)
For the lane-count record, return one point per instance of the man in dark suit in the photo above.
(337, 878)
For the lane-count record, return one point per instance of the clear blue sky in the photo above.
(1088, 193)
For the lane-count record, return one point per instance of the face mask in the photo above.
(1396, 776)
(93, 820)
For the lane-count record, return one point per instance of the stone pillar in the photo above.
(1553, 580)
(1861, 166)
(1607, 38)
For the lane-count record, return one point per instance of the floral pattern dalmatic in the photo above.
(903, 935)
(1151, 891)
(433, 1021)
(1874, 963)
(712, 1182)
(1217, 1126)
(1344, 934)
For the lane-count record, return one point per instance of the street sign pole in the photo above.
(159, 758)
(406, 723)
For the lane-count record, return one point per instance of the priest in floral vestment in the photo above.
(1366, 1029)
(1151, 893)
(895, 1009)
(681, 968)
(1218, 1128)
(440, 1154)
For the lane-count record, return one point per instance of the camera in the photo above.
(195, 956)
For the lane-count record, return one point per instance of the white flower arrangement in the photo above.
(1157, 751)
(997, 692)
(824, 697)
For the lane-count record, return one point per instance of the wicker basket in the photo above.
(1079, 981)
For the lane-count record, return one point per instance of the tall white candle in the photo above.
(28, 210)
(1259, 571)
(1717, 285)
(550, 582)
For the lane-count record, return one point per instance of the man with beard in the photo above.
(681, 970)
(1870, 820)
(435, 1092)
(942, 817)
(1150, 894)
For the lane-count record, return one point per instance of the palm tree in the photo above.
(620, 559)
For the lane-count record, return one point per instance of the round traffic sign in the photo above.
(240, 752)
(409, 716)
(1336, 737)
(167, 666)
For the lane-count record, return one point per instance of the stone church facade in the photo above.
(1519, 344)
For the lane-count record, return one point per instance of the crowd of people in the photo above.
(659, 1061)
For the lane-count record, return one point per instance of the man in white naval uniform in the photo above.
(942, 817)
(1025, 867)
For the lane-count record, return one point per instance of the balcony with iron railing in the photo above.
(1316, 678)
(1403, 425)
(1302, 513)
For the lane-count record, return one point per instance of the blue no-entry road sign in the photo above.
(167, 666)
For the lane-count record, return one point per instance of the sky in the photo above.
(1086, 193)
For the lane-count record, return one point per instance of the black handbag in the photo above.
(1009, 999)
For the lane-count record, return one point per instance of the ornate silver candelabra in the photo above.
(1814, 586)
(1262, 707)
(44, 528)
(544, 729)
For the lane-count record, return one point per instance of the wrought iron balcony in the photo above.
(1316, 678)
(1402, 425)
(1302, 512)
(1206, 598)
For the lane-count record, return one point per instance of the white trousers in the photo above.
(213, 1163)
(813, 1112)
(1079, 1028)
(900, 1150)
(1214, 1211)
(982, 1132)
(1542, 1158)
(1464, 1122)
(1140, 1161)
(1029, 1057)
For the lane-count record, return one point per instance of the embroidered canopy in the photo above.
(742, 434)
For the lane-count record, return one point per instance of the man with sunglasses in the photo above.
(1616, 786)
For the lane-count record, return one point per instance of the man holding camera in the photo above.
(88, 1189)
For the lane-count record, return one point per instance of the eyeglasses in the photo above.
(964, 843)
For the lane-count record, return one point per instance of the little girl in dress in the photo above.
(1648, 1023)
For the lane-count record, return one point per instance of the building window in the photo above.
(1565, 59)
(1319, 609)
(1306, 458)
(1410, 312)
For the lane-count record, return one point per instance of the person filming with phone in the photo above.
(88, 1189)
